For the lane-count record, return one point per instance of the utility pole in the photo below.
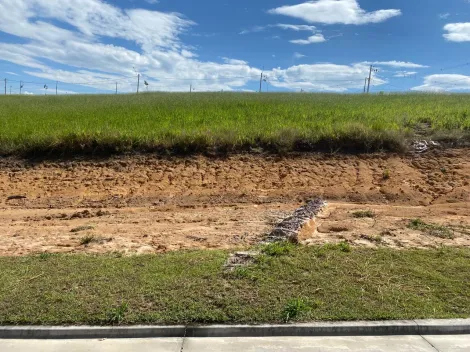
(372, 69)
(21, 86)
(138, 83)
(370, 77)
(116, 87)
(260, 82)
(56, 83)
(5, 86)
(365, 84)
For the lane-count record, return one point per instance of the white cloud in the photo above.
(322, 77)
(152, 2)
(316, 38)
(458, 32)
(296, 27)
(187, 53)
(12, 73)
(334, 12)
(161, 58)
(404, 73)
(298, 55)
(444, 16)
(444, 82)
(233, 61)
(401, 64)
(92, 18)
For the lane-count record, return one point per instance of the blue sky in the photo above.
(321, 45)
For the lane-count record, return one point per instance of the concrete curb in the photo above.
(379, 328)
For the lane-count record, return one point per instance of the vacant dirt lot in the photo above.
(147, 204)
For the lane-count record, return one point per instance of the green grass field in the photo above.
(332, 282)
(226, 121)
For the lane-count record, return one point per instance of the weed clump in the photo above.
(87, 240)
(364, 214)
(297, 307)
(431, 229)
(277, 249)
(116, 316)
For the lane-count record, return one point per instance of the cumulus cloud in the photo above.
(316, 38)
(457, 32)
(91, 18)
(82, 49)
(334, 12)
(322, 77)
(444, 82)
(234, 61)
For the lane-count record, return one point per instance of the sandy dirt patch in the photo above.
(147, 204)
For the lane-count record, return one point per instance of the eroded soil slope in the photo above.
(147, 204)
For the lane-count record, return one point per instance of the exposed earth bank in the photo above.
(148, 204)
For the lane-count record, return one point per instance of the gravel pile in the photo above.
(289, 228)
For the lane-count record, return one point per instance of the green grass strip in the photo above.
(302, 284)
(188, 123)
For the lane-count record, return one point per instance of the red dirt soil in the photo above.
(147, 204)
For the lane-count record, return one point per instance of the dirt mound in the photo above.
(151, 204)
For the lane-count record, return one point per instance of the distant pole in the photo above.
(260, 82)
(138, 83)
(370, 77)
(5, 86)
(21, 86)
(116, 87)
(365, 84)
(56, 83)
(10, 90)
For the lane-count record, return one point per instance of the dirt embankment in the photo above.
(147, 204)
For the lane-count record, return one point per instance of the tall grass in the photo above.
(195, 122)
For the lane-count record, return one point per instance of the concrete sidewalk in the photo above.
(433, 343)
